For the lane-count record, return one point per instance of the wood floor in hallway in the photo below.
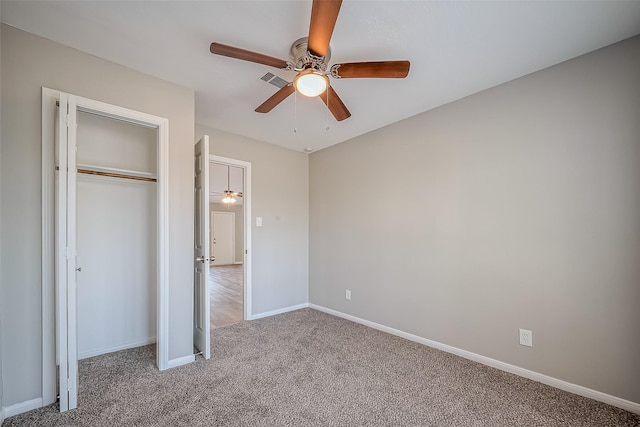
(226, 295)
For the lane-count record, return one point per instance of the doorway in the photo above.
(116, 222)
(229, 230)
(60, 267)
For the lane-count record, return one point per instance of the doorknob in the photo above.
(201, 259)
(79, 269)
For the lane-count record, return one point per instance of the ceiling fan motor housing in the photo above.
(302, 59)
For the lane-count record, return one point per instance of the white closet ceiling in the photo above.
(455, 48)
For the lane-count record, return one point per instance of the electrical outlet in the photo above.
(526, 338)
(347, 295)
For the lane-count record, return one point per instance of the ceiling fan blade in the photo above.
(336, 106)
(383, 69)
(276, 99)
(246, 55)
(324, 14)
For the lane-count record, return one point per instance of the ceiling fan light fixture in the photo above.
(311, 83)
(228, 197)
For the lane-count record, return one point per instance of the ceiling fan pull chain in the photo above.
(326, 116)
(295, 112)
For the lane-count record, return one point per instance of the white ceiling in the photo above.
(455, 48)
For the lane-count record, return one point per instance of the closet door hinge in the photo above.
(69, 121)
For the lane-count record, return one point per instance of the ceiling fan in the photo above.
(309, 57)
(228, 195)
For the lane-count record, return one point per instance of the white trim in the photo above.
(60, 251)
(49, 387)
(545, 379)
(20, 408)
(105, 350)
(279, 311)
(238, 263)
(72, 251)
(248, 280)
(162, 349)
(185, 360)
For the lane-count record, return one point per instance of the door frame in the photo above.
(246, 265)
(50, 353)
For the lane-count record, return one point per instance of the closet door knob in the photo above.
(79, 269)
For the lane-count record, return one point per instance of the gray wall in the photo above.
(29, 62)
(239, 230)
(279, 194)
(518, 207)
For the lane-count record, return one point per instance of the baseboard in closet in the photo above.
(98, 352)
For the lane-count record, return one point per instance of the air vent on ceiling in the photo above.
(274, 80)
(267, 77)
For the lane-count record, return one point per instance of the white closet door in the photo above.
(66, 302)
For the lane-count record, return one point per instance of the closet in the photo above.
(105, 236)
(117, 248)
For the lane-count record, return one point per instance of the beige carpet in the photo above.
(307, 368)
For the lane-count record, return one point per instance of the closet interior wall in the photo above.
(116, 234)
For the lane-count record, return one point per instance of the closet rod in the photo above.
(114, 175)
(117, 175)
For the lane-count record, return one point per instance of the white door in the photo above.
(65, 255)
(201, 327)
(223, 231)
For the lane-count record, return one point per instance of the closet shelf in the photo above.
(116, 173)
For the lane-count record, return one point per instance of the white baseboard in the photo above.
(278, 311)
(174, 363)
(238, 263)
(627, 405)
(98, 352)
(19, 408)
